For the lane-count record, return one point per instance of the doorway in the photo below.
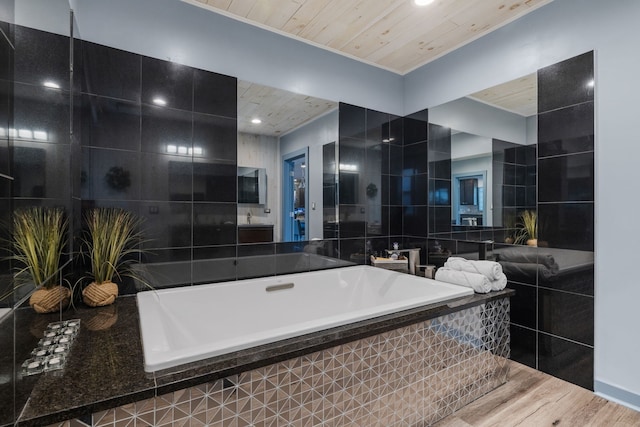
(295, 175)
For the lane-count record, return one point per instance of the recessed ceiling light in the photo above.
(160, 101)
(422, 2)
(51, 84)
(256, 121)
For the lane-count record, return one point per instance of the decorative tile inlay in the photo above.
(414, 375)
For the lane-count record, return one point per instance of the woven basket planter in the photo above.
(98, 295)
(50, 300)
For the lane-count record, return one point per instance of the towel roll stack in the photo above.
(481, 276)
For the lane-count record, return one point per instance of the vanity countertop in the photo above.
(255, 225)
(105, 368)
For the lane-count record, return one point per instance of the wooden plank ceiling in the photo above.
(395, 35)
(519, 96)
(280, 111)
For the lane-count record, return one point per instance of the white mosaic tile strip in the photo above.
(413, 375)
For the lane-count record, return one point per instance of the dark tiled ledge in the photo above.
(106, 368)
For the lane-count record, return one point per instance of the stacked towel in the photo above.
(489, 269)
(478, 282)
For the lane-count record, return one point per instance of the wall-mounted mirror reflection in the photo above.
(281, 134)
(491, 147)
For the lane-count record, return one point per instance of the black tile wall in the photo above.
(552, 311)
(524, 305)
(109, 72)
(167, 83)
(514, 165)
(372, 193)
(566, 178)
(566, 83)
(566, 225)
(566, 360)
(159, 138)
(49, 51)
(42, 110)
(566, 315)
(165, 128)
(565, 194)
(439, 179)
(110, 123)
(566, 130)
(524, 345)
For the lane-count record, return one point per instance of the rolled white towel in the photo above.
(491, 269)
(500, 283)
(475, 281)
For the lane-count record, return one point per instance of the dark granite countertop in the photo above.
(105, 368)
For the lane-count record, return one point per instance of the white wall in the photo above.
(465, 145)
(313, 135)
(468, 115)
(560, 30)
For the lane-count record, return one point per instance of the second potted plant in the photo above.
(528, 228)
(112, 237)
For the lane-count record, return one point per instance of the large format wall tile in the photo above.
(109, 72)
(167, 81)
(566, 360)
(566, 83)
(567, 225)
(566, 131)
(41, 57)
(566, 178)
(110, 123)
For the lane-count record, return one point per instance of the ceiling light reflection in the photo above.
(160, 101)
(51, 84)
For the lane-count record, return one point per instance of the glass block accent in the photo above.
(414, 375)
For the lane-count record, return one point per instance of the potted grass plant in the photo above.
(112, 237)
(528, 228)
(38, 242)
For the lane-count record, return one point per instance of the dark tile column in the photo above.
(370, 159)
(566, 151)
(439, 154)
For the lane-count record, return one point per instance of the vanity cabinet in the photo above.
(255, 233)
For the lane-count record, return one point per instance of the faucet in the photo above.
(249, 217)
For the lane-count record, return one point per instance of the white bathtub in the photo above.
(188, 324)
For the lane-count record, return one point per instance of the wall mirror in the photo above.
(280, 145)
(490, 140)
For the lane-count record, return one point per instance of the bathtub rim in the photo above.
(236, 362)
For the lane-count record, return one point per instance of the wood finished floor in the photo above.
(532, 398)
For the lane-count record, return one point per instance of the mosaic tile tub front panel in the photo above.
(411, 376)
